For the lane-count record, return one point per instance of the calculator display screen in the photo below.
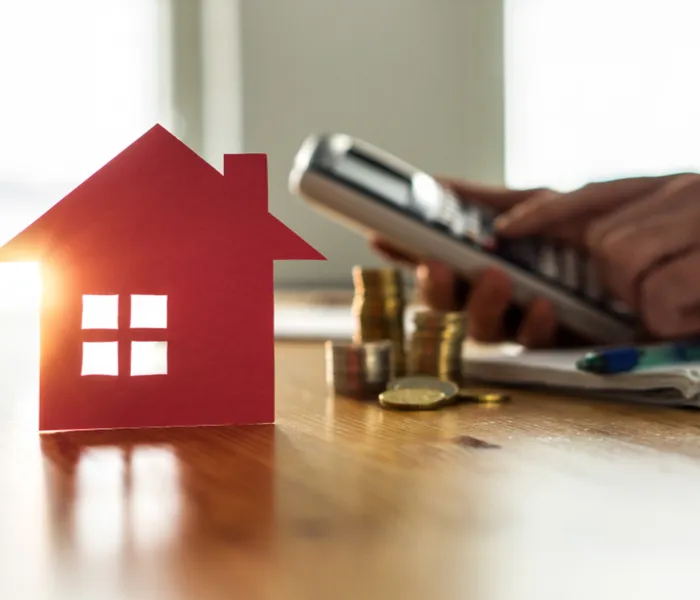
(419, 196)
(390, 186)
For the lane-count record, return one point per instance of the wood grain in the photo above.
(544, 497)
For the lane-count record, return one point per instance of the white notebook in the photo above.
(556, 370)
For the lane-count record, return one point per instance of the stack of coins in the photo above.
(378, 307)
(436, 344)
(359, 370)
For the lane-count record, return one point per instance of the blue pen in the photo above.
(623, 360)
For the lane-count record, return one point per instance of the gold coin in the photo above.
(412, 399)
(492, 398)
(466, 395)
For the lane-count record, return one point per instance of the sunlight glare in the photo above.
(76, 108)
(20, 286)
(101, 528)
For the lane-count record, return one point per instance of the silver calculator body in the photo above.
(371, 191)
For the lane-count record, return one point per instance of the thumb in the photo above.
(543, 212)
(496, 197)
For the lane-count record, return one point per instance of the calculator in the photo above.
(373, 192)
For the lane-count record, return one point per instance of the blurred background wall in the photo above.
(526, 92)
(420, 78)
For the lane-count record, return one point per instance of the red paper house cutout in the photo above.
(158, 226)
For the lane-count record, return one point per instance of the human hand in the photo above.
(644, 236)
(488, 302)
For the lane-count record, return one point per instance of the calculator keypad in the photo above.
(562, 266)
(593, 287)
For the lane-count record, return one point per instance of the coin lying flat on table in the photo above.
(492, 398)
(481, 397)
(424, 383)
(413, 399)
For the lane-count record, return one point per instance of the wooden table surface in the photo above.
(541, 498)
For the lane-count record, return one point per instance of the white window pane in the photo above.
(600, 89)
(81, 80)
(100, 358)
(100, 312)
(149, 358)
(149, 312)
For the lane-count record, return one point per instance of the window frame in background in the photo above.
(599, 90)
